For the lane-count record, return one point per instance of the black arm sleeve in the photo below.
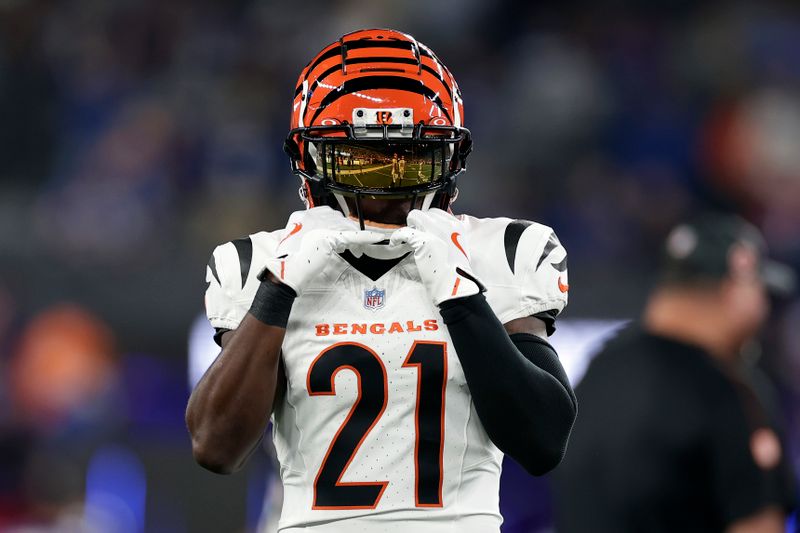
(519, 389)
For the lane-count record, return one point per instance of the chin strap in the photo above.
(427, 201)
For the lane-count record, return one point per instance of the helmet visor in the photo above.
(381, 165)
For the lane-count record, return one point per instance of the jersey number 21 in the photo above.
(430, 360)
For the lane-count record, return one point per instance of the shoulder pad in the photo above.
(522, 264)
(232, 277)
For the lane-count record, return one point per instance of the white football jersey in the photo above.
(377, 430)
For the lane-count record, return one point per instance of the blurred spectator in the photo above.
(117, 195)
(63, 391)
(673, 433)
(63, 364)
(753, 153)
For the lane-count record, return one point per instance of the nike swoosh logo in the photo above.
(454, 237)
(563, 287)
(297, 227)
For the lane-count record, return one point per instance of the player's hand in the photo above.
(441, 254)
(296, 269)
(303, 222)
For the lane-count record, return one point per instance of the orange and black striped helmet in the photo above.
(377, 115)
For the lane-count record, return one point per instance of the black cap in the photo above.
(703, 249)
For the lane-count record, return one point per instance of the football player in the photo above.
(400, 350)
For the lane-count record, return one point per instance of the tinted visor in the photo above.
(381, 165)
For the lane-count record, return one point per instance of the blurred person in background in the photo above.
(63, 398)
(673, 436)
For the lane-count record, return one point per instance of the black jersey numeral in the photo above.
(430, 360)
(330, 492)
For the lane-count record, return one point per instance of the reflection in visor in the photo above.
(381, 167)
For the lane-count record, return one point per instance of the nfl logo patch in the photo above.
(374, 298)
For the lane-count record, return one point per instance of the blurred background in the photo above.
(137, 135)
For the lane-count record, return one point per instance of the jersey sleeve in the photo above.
(231, 275)
(524, 268)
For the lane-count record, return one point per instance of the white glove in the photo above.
(298, 268)
(311, 236)
(441, 253)
(302, 222)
